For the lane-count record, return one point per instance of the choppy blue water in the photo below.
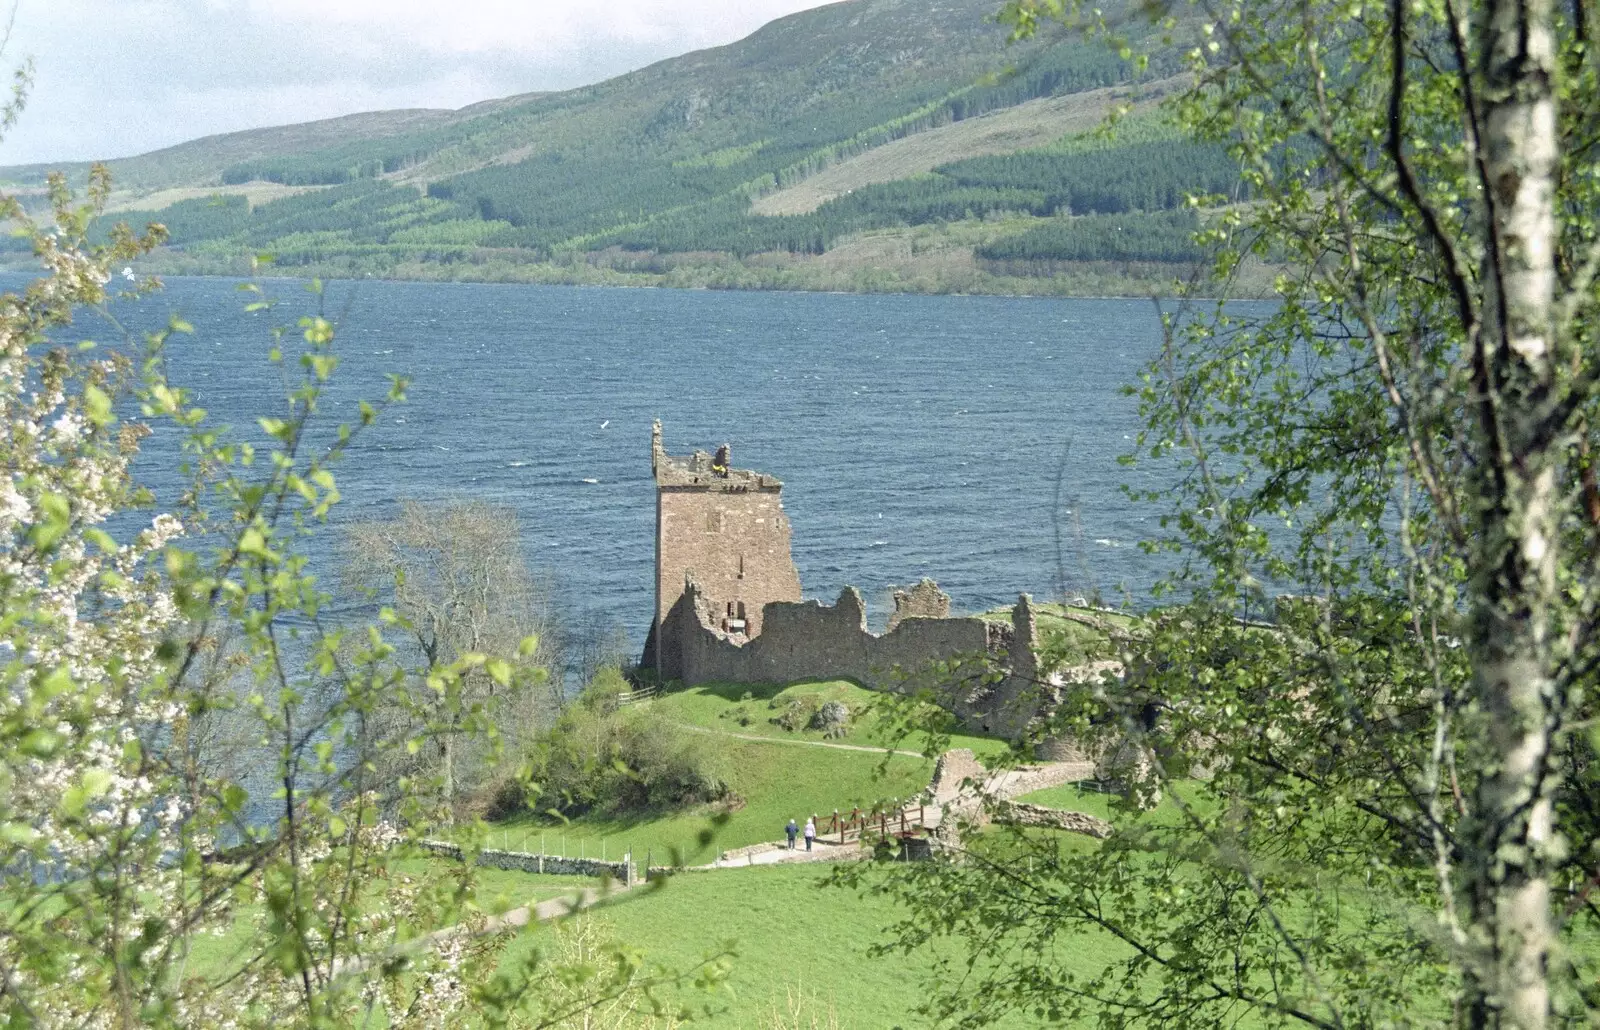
(916, 436)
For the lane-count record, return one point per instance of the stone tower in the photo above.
(725, 528)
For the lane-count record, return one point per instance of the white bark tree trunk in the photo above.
(1519, 501)
(449, 779)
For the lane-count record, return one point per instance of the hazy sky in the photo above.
(120, 77)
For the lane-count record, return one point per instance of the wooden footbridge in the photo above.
(882, 822)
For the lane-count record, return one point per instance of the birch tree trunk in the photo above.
(448, 746)
(1514, 588)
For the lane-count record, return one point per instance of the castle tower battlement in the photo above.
(725, 528)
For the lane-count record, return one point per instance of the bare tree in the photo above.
(456, 577)
(599, 643)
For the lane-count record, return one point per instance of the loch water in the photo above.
(916, 436)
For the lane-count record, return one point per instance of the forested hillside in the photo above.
(652, 175)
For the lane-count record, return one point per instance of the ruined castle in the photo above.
(728, 607)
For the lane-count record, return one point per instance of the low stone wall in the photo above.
(1021, 813)
(1052, 775)
(527, 862)
(959, 765)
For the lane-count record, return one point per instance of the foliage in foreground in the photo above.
(1398, 821)
(200, 823)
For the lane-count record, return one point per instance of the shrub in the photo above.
(601, 758)
(602, 691)
(501, 798)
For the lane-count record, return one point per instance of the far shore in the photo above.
(1085, 281)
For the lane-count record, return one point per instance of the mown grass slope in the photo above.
(773, 782)
(791, 936)
(783, 713)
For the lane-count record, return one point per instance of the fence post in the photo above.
(838, 824)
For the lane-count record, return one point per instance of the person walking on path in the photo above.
(811, 831)
(791, 831)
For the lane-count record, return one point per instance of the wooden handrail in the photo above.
(885, 820)
(642, 694)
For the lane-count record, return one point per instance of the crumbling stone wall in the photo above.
(971, 662)
(1072, 747)
(1021, 813)
(955, 770)
(923, 601)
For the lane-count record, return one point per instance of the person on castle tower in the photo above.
(719, 464)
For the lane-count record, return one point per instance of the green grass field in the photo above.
(789, 774)
(753, 710)
(777, 782)
(1075, 797)
(791, 936)
(795, 941)
(496, 891)
(1071, 797)
(1062, 628)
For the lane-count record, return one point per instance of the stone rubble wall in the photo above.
(1051, 775)
(978, 668)
(527, 862)
(951, 770)
(960, 766)
(1067, 749)
(1020, 813)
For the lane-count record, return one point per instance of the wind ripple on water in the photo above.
(946, 415)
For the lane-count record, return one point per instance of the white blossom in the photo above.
(68, 429)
